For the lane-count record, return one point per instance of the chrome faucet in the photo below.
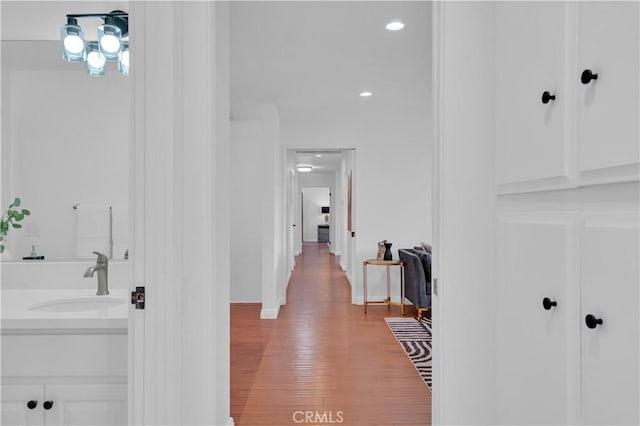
(102, 267)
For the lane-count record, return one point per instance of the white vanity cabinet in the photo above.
(62, 368)
(588, 133)
(59, 404)
(22, 405)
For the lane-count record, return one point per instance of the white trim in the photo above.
(136, 379)
(536, 185)
(439, 339)
(606, 175)
(269, 313)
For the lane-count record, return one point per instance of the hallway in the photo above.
(322, 357)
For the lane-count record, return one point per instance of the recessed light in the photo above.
(395, 26)
(366, 94)
(318, 155)
(304, 168)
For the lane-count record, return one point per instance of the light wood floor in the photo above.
(322, 355)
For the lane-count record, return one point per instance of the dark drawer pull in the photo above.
(546, 97)
(587, 76)
(547, 303)
(592, 322)
(32, 404)
(47, 405)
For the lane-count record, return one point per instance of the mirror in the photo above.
(65, 143)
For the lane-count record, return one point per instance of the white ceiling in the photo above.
(313, 58)
(321, 161)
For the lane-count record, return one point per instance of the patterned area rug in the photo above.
(415, 338)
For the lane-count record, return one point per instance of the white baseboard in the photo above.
(269, 313)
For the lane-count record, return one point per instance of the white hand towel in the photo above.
(92, 230)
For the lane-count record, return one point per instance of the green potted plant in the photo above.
(10, 219)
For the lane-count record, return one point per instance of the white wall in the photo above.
(464, 247)
(258, 256)
(246, 214)
(313, 200)
(61, 274)
(65, 140)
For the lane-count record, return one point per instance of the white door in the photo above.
(607, 108)
(22, 405)
(610, 353)
(538, 298)
(87, 405)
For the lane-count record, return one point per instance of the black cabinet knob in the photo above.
(587, 76)
(592, 322)
(47, 405)
(548, 303)
(546, 97)
(32, 404)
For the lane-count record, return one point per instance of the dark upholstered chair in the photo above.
(417, 278)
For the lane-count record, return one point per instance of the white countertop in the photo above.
(16, 317)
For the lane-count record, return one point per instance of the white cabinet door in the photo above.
(14, 409)
(608, 112)
(530, 50)
(538, 350)
(87, 405)
(610, 278)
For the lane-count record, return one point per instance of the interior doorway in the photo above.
(315, 214)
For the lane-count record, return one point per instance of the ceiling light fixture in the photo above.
(110, 45)
(395, 26)
(304, 168)
(366, 94)
(318, 155)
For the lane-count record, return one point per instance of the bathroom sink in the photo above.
(93, 303)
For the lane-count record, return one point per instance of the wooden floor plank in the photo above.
(322, 357)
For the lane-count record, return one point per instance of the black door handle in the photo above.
(547, 303)
(592, 322)
(47, 405)
(546, 97)
(587, 76)
(32, 404)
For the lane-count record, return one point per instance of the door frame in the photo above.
(438, 347)
(180, 175)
